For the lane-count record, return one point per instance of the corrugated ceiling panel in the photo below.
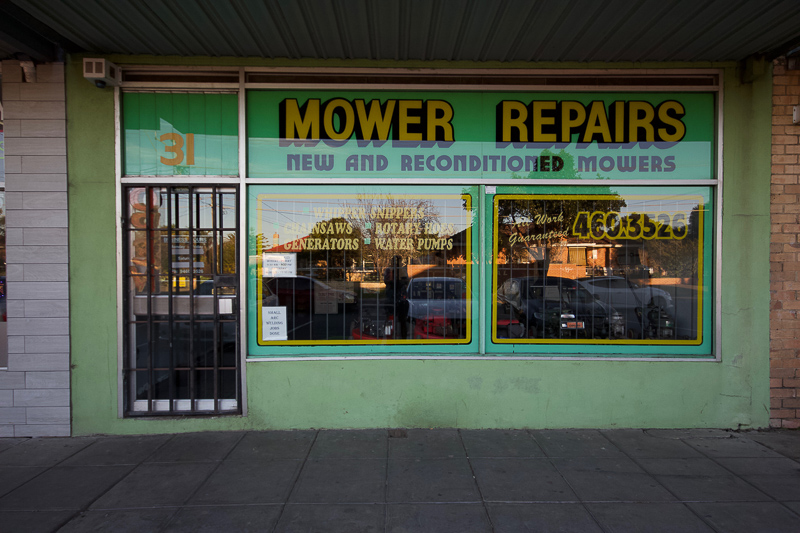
(458, 30)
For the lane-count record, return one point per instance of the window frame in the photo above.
(529, 80)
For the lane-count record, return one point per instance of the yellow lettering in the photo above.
(573, 114)
(641, 117)
(327, 119)
(406, 120)
(539, 121)
(374, 125)
(302, 127)
(597, 123)
(668, 120)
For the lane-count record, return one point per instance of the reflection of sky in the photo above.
(213, 154)
(279, 214)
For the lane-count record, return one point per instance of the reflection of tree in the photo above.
(675, 258)
(536, 230)
(369, 218)
(229, 254)
(336, 260)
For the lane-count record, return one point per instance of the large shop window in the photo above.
(411, 224)
(587, 227)
(362, 266)
(610, 266)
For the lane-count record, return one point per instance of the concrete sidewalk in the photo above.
(417, 480)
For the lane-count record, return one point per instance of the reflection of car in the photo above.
(620, 292)
(299, 293)
(648, 310)
(509, 320)
(555, 307)
(374, 322)
(437, 307)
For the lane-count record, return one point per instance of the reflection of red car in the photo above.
(373, 330)
(437, 307)
(435, 327)
(298, 293)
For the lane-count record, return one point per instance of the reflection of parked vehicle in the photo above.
(509, 320)
(437, 307)
(620, 292)
(299, 293)
(649, 310)
(561, 308)
(373, 323)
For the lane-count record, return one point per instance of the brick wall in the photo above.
(34, 391)
(785, 251)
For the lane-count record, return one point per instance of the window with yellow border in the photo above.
(620, 267)
(358, 266)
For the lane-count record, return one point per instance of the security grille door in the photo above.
(181, 297)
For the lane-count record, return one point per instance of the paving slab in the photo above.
(439, 518)
(341, 481)
(603, 480)
(64, 487)
(196, 447)
(33, 521)
(43, 451)
(759, 466)
(429, 443)
(712, 488)
(639, 443)
(733, 447)
(413, 480)
(742, 517)
(690, 466)
(521, 480)
(238, 518)
(133, 521)
(6, 443)
(650, 517)
(781, 488)
(365, 518)
(271, 445)
(117, 451)
(541, 518)
(12, 477)
(248, 483)
(500, 443)
(785, 442)
(352, 444)
(575, 443)
(156, 485)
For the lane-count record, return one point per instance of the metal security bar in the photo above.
(181, 300)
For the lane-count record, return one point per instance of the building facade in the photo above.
(202, 243)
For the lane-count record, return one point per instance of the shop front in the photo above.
(515, 253)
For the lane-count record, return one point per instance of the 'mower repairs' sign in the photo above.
(481, 135)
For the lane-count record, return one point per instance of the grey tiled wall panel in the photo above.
(41, 398)
(31, 362)
(48, 430)
(34, 391)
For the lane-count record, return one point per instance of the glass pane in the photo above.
(363, 268)
(176, 299)
(204, 208)
(589, 268)
(170, 134)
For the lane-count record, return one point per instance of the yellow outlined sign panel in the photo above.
(613, 269)
(363, 269)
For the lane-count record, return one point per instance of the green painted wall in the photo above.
(442, 393)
